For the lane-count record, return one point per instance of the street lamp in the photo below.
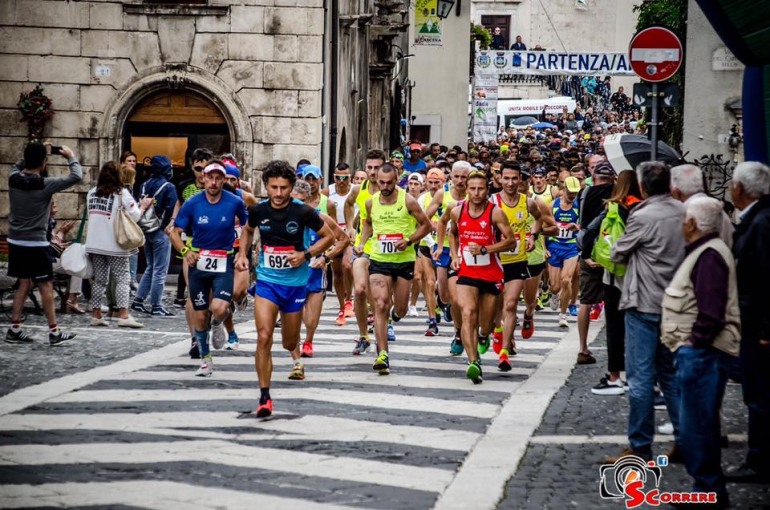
(444, 8)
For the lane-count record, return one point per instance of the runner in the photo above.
(316, 285)
(282, 273)
(415, 187)
(394, 221)
(542, 190)
(447, 277)
(517, 207)
(475, 243)
(358, 197)
(428, 245)
(342, 266)
(563, 249)
(210, 218)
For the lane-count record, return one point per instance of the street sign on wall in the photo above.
(655, 54)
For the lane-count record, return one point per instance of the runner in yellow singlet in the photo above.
(540, 188)
(394, 222)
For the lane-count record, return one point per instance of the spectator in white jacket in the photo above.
(110, 260)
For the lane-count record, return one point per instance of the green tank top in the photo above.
(390, 223)
(363, 195)
(536, 256)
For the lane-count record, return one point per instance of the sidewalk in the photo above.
(560, 468)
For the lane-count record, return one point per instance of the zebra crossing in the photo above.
(155, 436)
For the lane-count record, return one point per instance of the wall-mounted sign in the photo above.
(427, 24)
(723, 60)
(552, 62)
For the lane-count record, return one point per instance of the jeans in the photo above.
(702, 374)
(133, 263)
(616, 329)
(157, 252)
(648, 361)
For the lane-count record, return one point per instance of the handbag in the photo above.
(149, 221)
(74, 259)
(128, 235)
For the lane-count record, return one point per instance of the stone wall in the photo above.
(260, 61)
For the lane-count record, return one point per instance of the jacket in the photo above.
(102, 214)
(681, 305)
(165, 201)
(653, 248)
(751, 247)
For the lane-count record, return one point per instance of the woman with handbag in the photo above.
(111, 240)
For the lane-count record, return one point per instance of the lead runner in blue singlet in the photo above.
(283, 269)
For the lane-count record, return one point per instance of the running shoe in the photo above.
(473, 372)
(573, 310)
(432, 330)
(483, 344)
(391, 333)
(266, 409)
(412, 311)
(554, 302)
(456, 349)
(297, 372)
(437, 313)
(194, 352)
(448, 313)
(218, 336)
(341, 320)
(206, 368)
(18, 338)
(349, 312)
(361, 346)
(544, 299)
(98, 322)
(497, 340)
(382, 362)
(607, 387)
(60, 337)
(159, 311)
(180, 302)
(596, 311)
(242, 304)
(307, 349)
(232, 341)
(527, 327)
(129, 322)
(503, 363)
(138, 306)
(563, 320)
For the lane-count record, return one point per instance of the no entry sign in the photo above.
(655, 54)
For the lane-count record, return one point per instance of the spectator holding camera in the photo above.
(30, 195)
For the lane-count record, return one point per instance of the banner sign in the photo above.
(484, 108)
(552, 62)
(427, 24)
(535, 107)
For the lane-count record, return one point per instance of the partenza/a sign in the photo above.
(550, 62)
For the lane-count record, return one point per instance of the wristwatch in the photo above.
(535, 235)
(483, 250)
(184, 251)
(308, 256)
(409, 242)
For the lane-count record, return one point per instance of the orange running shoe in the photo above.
(349, 312)
(341, 320)
(497, 340)
(527, 327)
(266, 409)
(504, 364)
(307, 350)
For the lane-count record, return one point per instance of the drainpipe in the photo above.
(334, 87)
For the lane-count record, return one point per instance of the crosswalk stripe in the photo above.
(237, 455)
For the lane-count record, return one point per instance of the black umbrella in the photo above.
(625, 151)
(523, 122)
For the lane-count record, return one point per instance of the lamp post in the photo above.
(444, 8)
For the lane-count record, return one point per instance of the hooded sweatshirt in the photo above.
(160, 173)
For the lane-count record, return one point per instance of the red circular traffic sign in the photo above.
(655, 54)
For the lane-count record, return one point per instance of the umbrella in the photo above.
(543, 125)
(626, 151)
(523, 122)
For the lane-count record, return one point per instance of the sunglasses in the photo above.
(342, 177)
(198, 168)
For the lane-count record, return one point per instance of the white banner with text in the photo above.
(552, 62)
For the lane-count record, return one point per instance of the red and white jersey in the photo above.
(481, 231)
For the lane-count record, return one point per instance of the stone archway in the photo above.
(179, 78)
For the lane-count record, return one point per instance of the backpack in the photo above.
(611, 229)
(149, 222)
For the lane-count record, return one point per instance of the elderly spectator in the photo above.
(157, 249)
(498, 39)
(688, 183)
(30, 193)
(701, 324)
(109, 259)
(653, 247)
(751, 194)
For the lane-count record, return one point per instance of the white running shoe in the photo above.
(412, 312)
(554, 302)
(563, 320)
(218, 336)
(206, 368)
(129, 322)
(666, 428)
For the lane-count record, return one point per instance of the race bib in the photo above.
(387, 242)
(212, 261)
(564, 231)
(277, 257)
(515, 249)
(476, 260)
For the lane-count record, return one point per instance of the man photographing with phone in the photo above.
(30, 193)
